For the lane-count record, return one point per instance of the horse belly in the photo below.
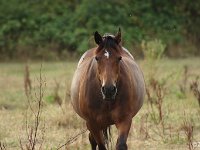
(138, 87)
(75, 87)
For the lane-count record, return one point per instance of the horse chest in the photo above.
(102, 119)
(106, 114)
(98, 112)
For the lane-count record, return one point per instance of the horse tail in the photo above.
(108, 137)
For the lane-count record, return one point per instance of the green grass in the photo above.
(60, 126)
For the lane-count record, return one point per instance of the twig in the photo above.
(32, 131)
(37, 119)
(72, 139)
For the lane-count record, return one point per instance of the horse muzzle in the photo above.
(109, 92)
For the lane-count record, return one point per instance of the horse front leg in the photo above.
(123, 130)
(92, 142)
(96, 137)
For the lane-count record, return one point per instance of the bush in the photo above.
(69, 24)
(153, 50)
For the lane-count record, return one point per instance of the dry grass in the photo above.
(61, 123)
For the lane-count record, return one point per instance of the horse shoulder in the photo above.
(126, 53)
(80, 72)
(87, 55)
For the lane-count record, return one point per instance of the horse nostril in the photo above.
(114, 89)
(103, 89)
(111, 89)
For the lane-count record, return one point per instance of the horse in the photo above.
(107, 89)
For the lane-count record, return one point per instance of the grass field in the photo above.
(60, 123)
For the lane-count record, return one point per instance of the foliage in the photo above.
(28, 27)
(153, 50)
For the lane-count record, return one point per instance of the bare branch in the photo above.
(72, 139)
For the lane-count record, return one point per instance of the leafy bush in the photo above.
(153, 50)
(27, 26)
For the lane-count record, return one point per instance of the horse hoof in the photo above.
(122, 147)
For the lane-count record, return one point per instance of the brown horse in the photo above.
(107, 88)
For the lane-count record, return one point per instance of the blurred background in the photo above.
(60, 29)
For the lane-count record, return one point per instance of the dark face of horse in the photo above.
(108, 60)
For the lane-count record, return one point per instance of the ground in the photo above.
(59, 123)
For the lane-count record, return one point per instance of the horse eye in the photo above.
(120, 58)
(97, 58)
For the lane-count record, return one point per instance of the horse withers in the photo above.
(107, 89)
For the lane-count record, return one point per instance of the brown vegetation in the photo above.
(195, 88)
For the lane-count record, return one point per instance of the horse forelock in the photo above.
(109, 42)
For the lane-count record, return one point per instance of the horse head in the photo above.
(108, 58)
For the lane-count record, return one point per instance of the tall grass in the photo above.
(63, 125)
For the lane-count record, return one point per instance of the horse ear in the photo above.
(97, 38)
(118, 36)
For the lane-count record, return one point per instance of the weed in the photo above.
(144, 126)
(27, 81)
(32, 131)
(56, 96)
(194, 87)
(155, 98)
(183, 84)
(188, 129)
